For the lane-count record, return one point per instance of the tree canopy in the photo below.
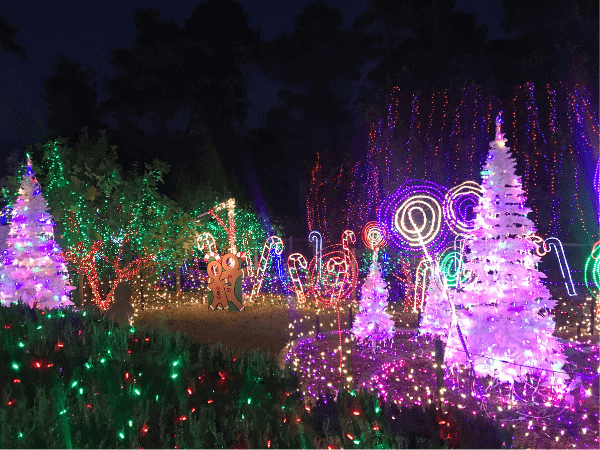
(180, 93)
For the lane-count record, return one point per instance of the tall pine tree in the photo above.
(33, 270)
(505, 316)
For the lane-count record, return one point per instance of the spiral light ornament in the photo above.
(338, 277)
(459, 203)
(373, 236)
(413, 217)
(337, 280)
(592, 271)
(451, 266)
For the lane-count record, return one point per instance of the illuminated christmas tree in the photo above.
(505, 317)
(373, 324)
(33, 270)
(437, 312)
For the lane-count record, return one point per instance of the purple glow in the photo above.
(413, 217)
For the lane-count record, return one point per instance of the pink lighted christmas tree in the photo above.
(437, 313)
(373, 324)
(33, 270)
(505, 317)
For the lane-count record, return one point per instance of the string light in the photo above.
(459, 205)
(273, 246)
(295, 262)
(424, 271)
(316, 238)
(414, 215)
(556, 244)
(229, 205)
(373, 236)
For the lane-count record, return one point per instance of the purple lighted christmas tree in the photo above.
(373, 324)
(33, 270)
(505, 316)
(437, 313)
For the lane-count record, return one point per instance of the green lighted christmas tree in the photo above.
(505, 316)
(33, 270)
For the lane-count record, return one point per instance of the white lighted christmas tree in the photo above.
(437, 313)
(505, 311)
(372, 324)
(33, 270)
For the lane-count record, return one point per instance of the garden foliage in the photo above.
(75, 380)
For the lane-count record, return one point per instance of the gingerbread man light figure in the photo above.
(225, 283)
(216, 295)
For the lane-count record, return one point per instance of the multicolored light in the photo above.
(273, 246)
(295, 262)
(592, 272)
(373, 236)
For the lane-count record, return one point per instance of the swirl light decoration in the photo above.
(295, 262)
(338, 279)
(373, 236)
(413, 217)
(592, 271)
(272, 244)
(459, 204)
(451, 266)
(556, 244)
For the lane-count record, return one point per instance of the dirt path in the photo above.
(262, 326)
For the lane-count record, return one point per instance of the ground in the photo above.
(262, 326)
(266, 327)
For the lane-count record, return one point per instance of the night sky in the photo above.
(88, 31)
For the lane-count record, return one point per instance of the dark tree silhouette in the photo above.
(553, 40)
(71, 97)
(423, 44)
(7, 38)
(317, 65)
(183, 90)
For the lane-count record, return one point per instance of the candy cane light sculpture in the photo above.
(554, 243)
(317, 239)
(295, 262)
(275, 244)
